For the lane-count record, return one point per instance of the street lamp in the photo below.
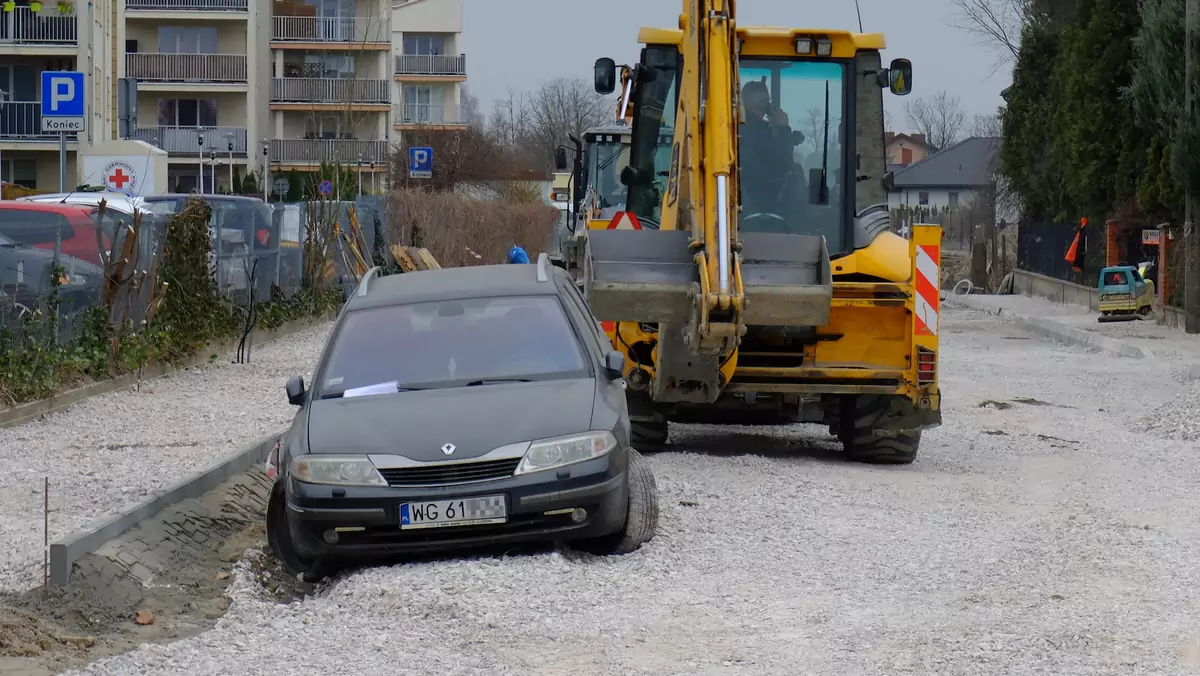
(200, 143)
(372, 177)
(359, 176)
(266, 170)
(212, 158)
(229, 137)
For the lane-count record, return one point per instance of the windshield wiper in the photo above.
(495, 381)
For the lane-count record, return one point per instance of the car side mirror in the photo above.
(900, 77)
(295, 390)
(614, 365)
(605, 76)
(560, 159)
(889, 182)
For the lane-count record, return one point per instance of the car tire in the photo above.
(641, 519)
(862, 442)
(279, 536)
(649, 435)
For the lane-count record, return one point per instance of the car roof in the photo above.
(116, 200)
(476, 281)
(54, 207)
(207, 198)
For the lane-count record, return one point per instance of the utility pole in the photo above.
(1191, 239)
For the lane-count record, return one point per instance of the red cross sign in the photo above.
(119, 179)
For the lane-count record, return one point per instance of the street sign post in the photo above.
(420, 162)
(62, 111)
(282, 186)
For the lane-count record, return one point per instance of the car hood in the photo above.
(475, 419)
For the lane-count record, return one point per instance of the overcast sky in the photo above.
(520, 43)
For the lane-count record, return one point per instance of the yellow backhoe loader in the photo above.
(760, 281)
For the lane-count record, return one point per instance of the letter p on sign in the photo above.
(62, 90)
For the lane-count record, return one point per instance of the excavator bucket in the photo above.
(648, 276)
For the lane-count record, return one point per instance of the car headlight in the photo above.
(341, 470)
(552, 453)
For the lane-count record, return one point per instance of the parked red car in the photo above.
(38, 224)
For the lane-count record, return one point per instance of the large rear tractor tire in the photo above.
(862, 441)
(649, 435)
(641, 520)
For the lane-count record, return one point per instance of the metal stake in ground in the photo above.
(46, 538)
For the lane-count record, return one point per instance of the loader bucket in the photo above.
(639, 275)
(787, 279)
(648, 275)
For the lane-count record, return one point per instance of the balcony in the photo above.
(307, 29)
(216, 68)
(23, 26)
(185, 141)
(22, 121)
(186, 5)
(431, 64)
(312, 90)
(333, 151)
(429, 114)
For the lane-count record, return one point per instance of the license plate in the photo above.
(461, 512)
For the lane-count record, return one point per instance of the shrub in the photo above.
(452, 226)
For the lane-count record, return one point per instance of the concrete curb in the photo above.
(1056, 330)
(64, 552)
(23, 413)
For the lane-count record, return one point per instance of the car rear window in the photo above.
(28, 226)
(453, 343)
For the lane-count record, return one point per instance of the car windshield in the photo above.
(451, 343)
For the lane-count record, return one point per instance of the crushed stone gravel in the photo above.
(1178, 419)
(113, 450)
(1037, 533)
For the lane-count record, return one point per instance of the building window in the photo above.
(906, 156)
(923, 198)
(426, 45)
(187, 39)
(22, 172)
(952, 199)
(187, 112)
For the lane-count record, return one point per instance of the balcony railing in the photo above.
(328, 90)
(429, 113)
(186, 140)
(188, 5)
(22, 120)
(23, 26)
(337, 151)
(314, 29)
(186, 67)
(431, 64)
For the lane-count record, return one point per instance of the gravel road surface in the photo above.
(1035, 534)
(111, 451)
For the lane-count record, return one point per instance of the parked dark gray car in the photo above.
(459, 408)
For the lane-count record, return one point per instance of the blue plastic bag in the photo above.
(517, 255)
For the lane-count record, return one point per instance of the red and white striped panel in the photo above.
(624, 220)
(925, 319)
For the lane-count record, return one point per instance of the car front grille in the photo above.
(460, 473)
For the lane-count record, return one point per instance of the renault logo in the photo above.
(448, 449)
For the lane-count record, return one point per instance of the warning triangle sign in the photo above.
(624, 220)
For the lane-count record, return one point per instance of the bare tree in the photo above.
(996, 23)
(987, 126)
(561, 107)
(940, 118)
(470, 110)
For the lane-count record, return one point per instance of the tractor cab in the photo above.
(1124, 294)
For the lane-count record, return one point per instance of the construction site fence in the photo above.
(255, 255)
(1042, 248)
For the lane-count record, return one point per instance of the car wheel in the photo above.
(641, 520)
(279, 536)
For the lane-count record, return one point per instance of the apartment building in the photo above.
(227, 87)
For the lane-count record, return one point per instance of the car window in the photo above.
(34, 227)
(162, 207)
(452, 343)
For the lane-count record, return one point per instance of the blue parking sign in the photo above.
(420, 162)
(62, 101)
